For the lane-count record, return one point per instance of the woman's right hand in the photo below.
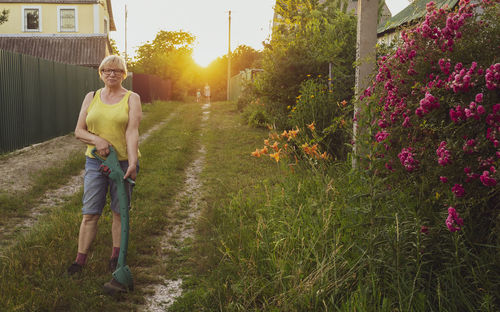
(102, 146)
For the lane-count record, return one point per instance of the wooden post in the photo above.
(229, 61)
(365, 56)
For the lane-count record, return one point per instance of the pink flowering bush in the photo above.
(434, 108)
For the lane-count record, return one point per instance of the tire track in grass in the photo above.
(189, 201)
(58, 196)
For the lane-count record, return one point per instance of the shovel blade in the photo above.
(123, 275)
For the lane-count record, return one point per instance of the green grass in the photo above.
(33, 269)
(331, 240)
(267, 240)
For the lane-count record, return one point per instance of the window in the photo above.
(31, 19)
(67, 19)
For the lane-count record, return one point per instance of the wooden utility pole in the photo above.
(126, 15)
(229, 60)
(365, 57)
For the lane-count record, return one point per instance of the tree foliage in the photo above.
(114, 47)
(307, 36)
(169, 56)
(215, 73)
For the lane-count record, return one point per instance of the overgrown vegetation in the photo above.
(381, 238)
(302, 48)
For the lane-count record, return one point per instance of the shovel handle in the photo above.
(94, 153)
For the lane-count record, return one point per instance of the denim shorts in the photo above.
(96, 185)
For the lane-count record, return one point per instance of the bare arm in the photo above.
(81, 132)
(132, 134)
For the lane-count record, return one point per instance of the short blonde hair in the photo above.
(114, 60)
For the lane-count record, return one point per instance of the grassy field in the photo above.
(267, 239)
(33, 269)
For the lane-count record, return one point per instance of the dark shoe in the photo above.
(114, 287)
(113, 263)
(74, 268)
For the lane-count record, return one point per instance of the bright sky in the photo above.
(206, 19)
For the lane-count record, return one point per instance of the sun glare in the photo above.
(202, 57)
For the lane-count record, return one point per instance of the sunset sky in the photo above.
(207, 20)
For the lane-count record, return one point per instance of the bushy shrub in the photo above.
(302, 45)
(318, 105)
(434, 108)
(255, 115)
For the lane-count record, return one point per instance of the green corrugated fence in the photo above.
(238, 82)
(40, 99)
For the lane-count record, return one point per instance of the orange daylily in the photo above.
(284, 134)
(266, 142)
(311, 126)
(344, 102)
(275, 146)
(264, 150)
(314, 150)
(292, 133)
(276, 156)
(256, 153)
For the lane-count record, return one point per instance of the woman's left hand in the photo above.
(131, 173)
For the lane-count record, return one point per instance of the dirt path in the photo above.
(168, 290)
(18, 167)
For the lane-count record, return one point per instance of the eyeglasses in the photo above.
(108, 71)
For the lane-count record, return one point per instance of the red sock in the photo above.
(81, 259)
(115, 253)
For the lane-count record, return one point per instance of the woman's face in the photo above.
(112, 75)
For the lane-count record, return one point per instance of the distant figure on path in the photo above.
(207, 92)
(198, 96)
(108, 117)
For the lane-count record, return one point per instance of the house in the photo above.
(65, 31)
(410, 15)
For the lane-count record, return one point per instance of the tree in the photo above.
(4, 16)
(244, 57)
(169, 56)
(307, 37)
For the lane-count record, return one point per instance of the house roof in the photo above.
(112, 25)
(415, 10)
(50, 1)
(82, 50)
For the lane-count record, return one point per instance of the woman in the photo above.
(108, 117)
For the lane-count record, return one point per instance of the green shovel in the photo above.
(122, 278)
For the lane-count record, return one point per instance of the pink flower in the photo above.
(469, 146)
(381, 136)
(407, 160)
(487, 180)
(454, 222)
(458, 190)
(443, 179)
(479, 98)
(388, 165)
(443, 154)
(424, 229)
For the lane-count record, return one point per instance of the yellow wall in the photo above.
(85, 13)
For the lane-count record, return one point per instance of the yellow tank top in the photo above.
(109, 122)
